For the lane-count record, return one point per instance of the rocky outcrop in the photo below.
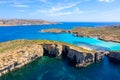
(98, 56)
(52, 50)
(14, 59)
(75, 56)
(114, 56)
(26, 51)
(82, 59)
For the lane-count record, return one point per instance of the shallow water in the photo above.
(55, 68)
(32, 32)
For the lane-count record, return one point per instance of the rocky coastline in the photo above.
(109, 33)
(16, 22)
(15, 54)
(114, 56)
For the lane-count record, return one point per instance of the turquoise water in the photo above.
(56, 68)
(32, 32)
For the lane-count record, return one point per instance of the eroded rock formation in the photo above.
(52, 50)
(14, 59)
(27, 51)
(114, 56)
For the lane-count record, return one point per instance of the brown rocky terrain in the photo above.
(15, 54)
(110, 33)
(15, 22)
(53, 30)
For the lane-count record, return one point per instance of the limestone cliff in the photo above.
(14, 54)
(114, 55)
(10, 60)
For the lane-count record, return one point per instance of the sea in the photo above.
(47, 68)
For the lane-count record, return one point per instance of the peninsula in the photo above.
(15, 22)
(17, 53)
(109, 33)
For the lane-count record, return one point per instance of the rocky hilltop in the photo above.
(109, 33)
(14, 54)
(14, 22)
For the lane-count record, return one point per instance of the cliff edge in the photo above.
(15, 54)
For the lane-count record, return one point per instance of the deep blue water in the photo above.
(32, 32)
(55, 68)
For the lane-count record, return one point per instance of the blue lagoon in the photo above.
(47, 68)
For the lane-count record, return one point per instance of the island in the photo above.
(15, 54)
(108, 33)
(15, 22)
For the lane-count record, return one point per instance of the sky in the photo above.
(62, 10)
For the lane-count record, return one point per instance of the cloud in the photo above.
(4, 2)
(43, 1)
(64, 7)
(20, 5)
(74, 11)
(107, 1)
(59, 10)
(14, 3)
(60, 13)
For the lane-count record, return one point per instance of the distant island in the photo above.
(15, 22)
(109, 33)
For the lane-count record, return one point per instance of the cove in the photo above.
(57, 69)
(32, 33)
(54, 68)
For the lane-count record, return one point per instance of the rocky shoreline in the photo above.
(15, 54)
(109, 33)
(115, 56)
